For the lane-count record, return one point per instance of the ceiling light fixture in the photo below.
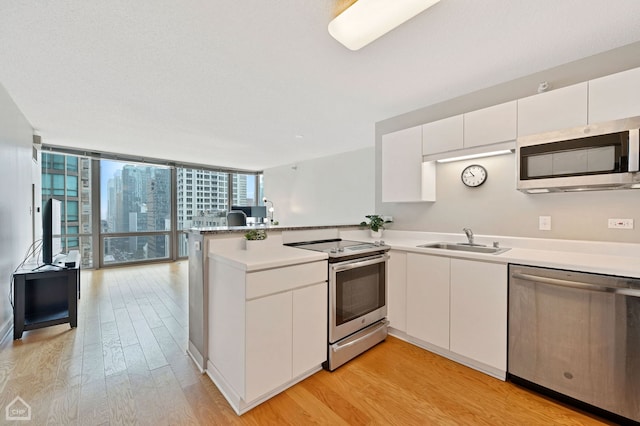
(366, 20)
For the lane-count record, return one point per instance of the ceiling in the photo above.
(254, 84)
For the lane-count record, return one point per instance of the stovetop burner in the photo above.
(338, 248)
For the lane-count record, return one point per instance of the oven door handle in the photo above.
(347, 342)
(340, 267)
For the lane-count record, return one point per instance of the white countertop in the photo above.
(207, 230)
(266, 255)
(621, 259)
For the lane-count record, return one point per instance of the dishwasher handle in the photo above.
(576, 284)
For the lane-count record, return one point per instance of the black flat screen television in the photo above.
(51, 230)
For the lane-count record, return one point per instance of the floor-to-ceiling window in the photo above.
(134, 206)
(135, 212)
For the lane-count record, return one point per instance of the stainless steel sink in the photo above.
(473, 248)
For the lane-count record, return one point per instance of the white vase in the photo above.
(376, 234)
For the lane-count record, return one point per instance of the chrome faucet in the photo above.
(469, 233)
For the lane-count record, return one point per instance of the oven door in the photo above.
(357, 295)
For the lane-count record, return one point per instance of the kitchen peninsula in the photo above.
(227, 239)
(257, 316)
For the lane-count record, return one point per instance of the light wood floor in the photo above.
(126, 364)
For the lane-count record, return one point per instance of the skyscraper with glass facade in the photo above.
(68, 179)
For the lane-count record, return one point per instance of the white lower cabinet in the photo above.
(397, 290)
(286, 337)
(267, 329)
(478, 325)
(309, 307)
(428, 298)
(458, 308)
(269, 344)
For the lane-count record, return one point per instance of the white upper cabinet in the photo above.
(558, 109)
(475, 129)
(443, 135)
(490, 125)
(615, 96)
(404, 177)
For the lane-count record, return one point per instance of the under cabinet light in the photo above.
(366, 20)
(480, 155)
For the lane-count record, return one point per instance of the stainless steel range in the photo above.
(357, 296)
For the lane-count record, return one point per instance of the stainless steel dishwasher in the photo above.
(577, 335)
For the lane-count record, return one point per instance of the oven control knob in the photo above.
(333, 250)
(341, 249)
(381, 242)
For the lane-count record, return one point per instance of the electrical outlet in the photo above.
(621, 223)
(544, 223)
(387, 218)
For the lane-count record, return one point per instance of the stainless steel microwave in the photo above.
(594, 157)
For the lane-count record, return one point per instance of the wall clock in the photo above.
(474, 175)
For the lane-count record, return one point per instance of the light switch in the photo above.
(196, 245)
(544, 223)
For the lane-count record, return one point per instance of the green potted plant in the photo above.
(254, 235)
(376, 224)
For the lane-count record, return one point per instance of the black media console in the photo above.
(46, 296)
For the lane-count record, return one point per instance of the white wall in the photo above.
(16, 166)
(497, 208)
(332, 190)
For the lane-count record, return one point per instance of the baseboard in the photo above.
(5, 329)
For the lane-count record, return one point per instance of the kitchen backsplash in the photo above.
(498, 208)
